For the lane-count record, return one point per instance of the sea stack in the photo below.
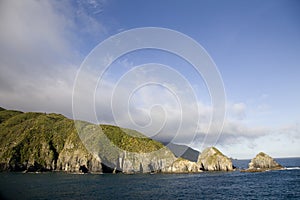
(263, 162)
(211, 159)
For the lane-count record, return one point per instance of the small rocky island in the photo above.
(262, 162)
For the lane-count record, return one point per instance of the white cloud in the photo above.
(154, 104)
(279, 142)
(39, 53)
(137, 110)
(290, 130)
(239, 111)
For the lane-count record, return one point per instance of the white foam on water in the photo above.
(292, 168)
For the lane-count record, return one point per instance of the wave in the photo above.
(292, 168)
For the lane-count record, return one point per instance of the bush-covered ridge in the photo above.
(131, 141)
(32, 139)
(6, 114)
(38, 139)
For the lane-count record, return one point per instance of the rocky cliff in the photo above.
(46, 142)
(42, 142)
(211, 159)
(125, 150)
(182, 165)
(263, 162)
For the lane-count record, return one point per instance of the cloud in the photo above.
(40, 54)
(155, 111)
(291, 130)
(148, 101)
(238, 111)
(94, 6)
(31, 35)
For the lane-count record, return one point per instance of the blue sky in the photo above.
(254, 44)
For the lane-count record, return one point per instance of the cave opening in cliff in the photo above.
(107, 169)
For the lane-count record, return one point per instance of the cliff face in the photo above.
(144, 163)
(41, 142)
(263, 162)
(182, 165)
(74, 157)
(46, 142)
(211, 159)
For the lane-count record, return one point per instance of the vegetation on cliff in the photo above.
(45, 142)
(39, 141)
(130, 140)
(33, 140)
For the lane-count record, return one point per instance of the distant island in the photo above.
(262, 162)
(38, 142)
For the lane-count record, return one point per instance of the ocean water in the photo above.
(281, 184)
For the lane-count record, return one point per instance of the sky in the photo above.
(255, 46)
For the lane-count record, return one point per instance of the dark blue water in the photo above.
(282, 184)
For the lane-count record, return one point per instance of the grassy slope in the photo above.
(131, 141)
(33, 136)
(41, 137)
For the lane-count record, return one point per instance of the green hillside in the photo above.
(38, 139)
(130, 140)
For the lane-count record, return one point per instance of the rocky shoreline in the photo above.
(40, 142)
(261, 163)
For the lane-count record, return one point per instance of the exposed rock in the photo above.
(211, 159)
(182, 166)
(144, 163)
(75, 158)
(130, 162)
(124, 150)
(262, 162)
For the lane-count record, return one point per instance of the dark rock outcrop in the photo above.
(211, 159)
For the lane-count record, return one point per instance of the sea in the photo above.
(280, 184)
